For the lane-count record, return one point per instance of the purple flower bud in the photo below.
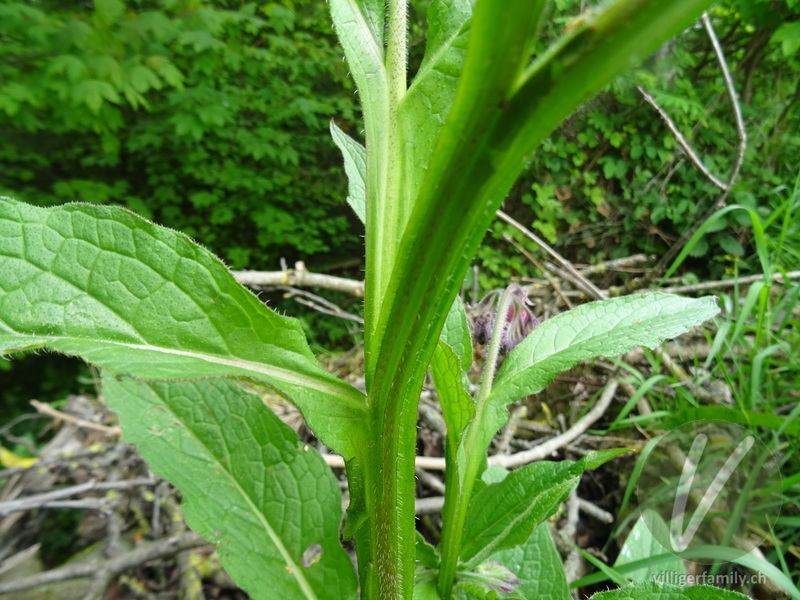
(521, 320)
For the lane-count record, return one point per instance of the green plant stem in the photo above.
(390, 462)
(459, 489)
(387, 213)
(399, 370)
(481, 151)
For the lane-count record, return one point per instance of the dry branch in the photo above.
(300, 277)
(571, 273)
(726, 283)
(146, 552)
(39, 500)
(741, 133)
(46, 409)
(526, 456)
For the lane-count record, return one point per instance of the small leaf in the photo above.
(92, 93)
(108, 12)
(239, 467)
(538, 566)
(426, 591)
(426, 555)
(789, 36)
(642, 544)
(503, 515)
(731, 245)
(355, 165)
(451, 359)
(456, 334)
(652, 590)
(452, 388)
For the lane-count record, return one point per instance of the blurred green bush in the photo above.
(209, 117)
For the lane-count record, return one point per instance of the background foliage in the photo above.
(612, 182)
(209, 117)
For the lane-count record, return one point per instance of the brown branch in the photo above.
(550, 446)
(319, 304)
(39, 500)
(526, 456)
(725, 283)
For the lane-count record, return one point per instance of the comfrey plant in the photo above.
(177, 339)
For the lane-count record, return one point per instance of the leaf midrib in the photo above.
(355, 398)
(572, 347)
(295, 571)
(488, 549)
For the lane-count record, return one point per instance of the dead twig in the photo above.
(553, 282)
(39, 500)
(572, 274)
(300, 277)
(725, 283)
(617, 264)
(319, 303)
(547, 448)
(48, 410)
(146, 552)
(526, 456)
(741, 133)
(682, 141)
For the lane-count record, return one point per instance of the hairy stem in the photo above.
(459, 488)
(390, 492)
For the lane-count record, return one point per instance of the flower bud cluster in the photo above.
(520, 318)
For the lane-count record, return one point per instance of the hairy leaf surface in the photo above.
(652, 590)
(143, 300)
(355, 165)
(249, 484)
(427, 102)
(503, 515)
(605, 328)
(538, 565)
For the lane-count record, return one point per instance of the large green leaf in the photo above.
(605, 328)
(271, 504)
(360, 26)
(538, 566)
(503, 515)
(652, 590)
(143, 300)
